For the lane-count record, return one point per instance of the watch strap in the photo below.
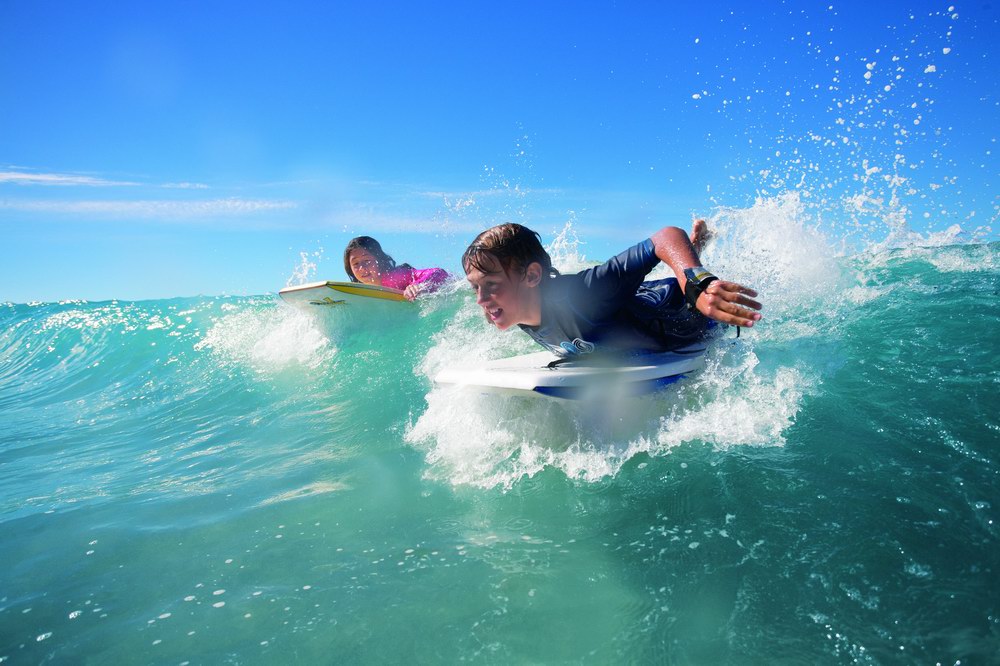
(697, 280)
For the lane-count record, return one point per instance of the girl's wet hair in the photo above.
(370, 245)
(511, 245)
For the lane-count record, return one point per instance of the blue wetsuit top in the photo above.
(608, 308)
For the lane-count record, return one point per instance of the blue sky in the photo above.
(173, 149)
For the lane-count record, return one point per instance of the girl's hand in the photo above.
(411, 292)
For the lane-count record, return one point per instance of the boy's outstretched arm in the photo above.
(723, 301)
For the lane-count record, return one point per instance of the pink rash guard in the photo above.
(401, 278)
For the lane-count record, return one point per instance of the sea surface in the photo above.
(231, 480)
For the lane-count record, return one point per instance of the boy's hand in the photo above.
(729, 303)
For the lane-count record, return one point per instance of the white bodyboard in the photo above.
(532, 374)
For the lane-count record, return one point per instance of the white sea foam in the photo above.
(469, 339)
(977, 259)
(776, 248)
(949, 250)
(860, 295)
(269, 339)
(737, 404)
(903, 237)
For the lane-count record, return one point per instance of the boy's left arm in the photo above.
(723, 301)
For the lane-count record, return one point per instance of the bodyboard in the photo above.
(337, 294)
(545, 374)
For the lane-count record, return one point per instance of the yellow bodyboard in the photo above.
(333, 294)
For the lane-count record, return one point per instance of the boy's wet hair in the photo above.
(372, 247)
(511, 245)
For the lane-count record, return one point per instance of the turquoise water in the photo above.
(228, 480)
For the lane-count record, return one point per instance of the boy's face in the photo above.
(507, 297)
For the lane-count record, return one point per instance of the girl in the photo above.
(365, 261)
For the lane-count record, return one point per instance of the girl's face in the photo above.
(365, 267)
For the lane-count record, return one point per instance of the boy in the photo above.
(608, 307)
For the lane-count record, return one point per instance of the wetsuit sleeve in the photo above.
(603, 288)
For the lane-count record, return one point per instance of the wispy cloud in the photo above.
(460, 202)
(185, 186)
(27, 178)
(512, 191)
(361, 219)
(367, 221)
(152, 209)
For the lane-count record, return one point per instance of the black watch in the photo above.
(697, 280)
